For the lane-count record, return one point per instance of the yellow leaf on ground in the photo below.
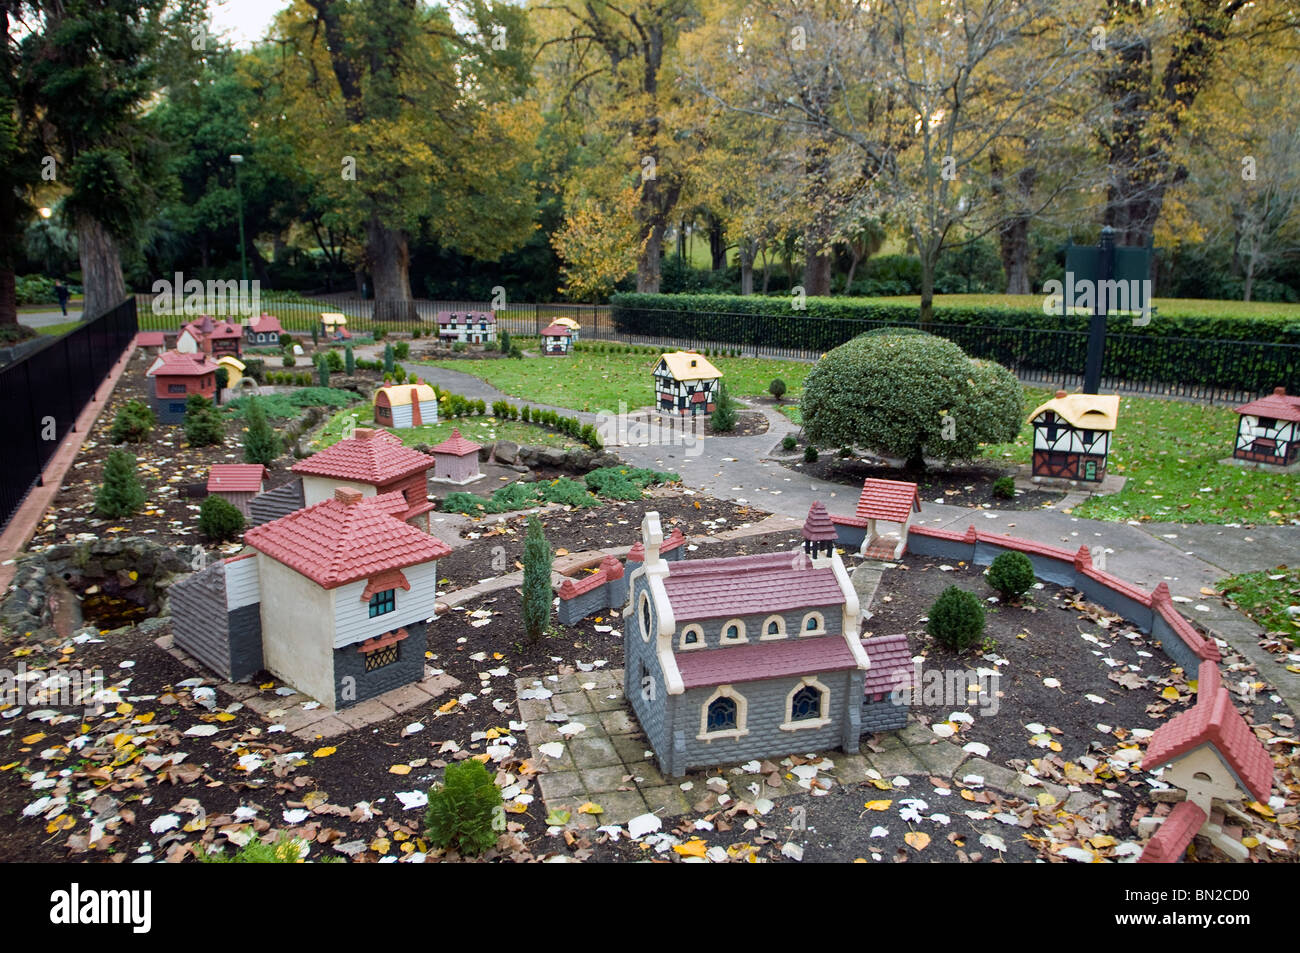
(591, 807)
(32, 739)
(144, 718)
(448, 706)
(125, 708)
(1263, 810)
(692, 848)
(881, 784)
(561, 551)
(917, 840)
(1170, 693)
(400, 769)
(225, 716)
(1102, 840)
(878, 805)
(380, 845)
(1045, 799)
(967, 795)
(323, 752)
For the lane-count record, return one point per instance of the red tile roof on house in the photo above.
(1214, 721)
(374, 457)
(818, 525)
(176, 364)
(150, 339)
(457, 445)
(557, 330)
(889, 500)
(746, 663)
(476, 317)
(724, 587)
(1171, 840)
(891, 664)
(347, 538)
(236, 478)
(1277, 405)
(266, 324)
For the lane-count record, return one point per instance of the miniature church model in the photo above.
(557, 340)
(1215, 758)
(405, 405)
(685, 384)
(1268, 430)
(1072, 436)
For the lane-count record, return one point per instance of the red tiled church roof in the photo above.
(889, 500)
(236, 478)
(747, 585)
(372, 456)
(745, 663)
(457, 445)
(1277, 405)
(1214, 721)
(347, 538)
(1171, 840)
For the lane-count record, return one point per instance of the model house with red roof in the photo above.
(883, 501)
(557, 340)
(152, 343)
(373, 462)
(237, 483)
(456, 460)
(213, 338)
(1211, 753)
(263, 331)
(1268, 430)
(334, 599)
(469, 327)
(743, 657)
(175, 377)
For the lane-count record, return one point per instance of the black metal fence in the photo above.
(44, 393)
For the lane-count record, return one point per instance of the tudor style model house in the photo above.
(263, 331)
(405, 405)
(743, 657)
(1072, 436)
(685, 384)
(372, 462)
(334, 599)
(469, 327)
(557, 340)
(176, 376)
(1268, 430)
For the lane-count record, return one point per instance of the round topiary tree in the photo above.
(956, 618)
(1012, 575)
(908, 395)
(777, 389)
(219, 519)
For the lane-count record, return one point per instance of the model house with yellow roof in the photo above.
(1072, 436)
(686, 384)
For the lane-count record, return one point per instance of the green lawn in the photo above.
(479, 429)
(1265, 596)
(593, 381)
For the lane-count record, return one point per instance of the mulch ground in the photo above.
(748, 424)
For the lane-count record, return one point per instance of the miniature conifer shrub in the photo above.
(390, 358)
(335, 360)
(288, 360)
(220, 519)
(788, 442)
(480, 407)
(322, 371)
(526, 414)
(503, 342)
(402, 350)
(349, 361)
(121, 494)
(809, 454)
(537, 581)
(463, 811)
(777, 388)
(415, 334)
(516, 352)
(1004, 488)
(723, 419)
(379, 333)
(956, 618)
(222, 377)
(315, 334)
(261, 443)
(133, 423)
(286, 339)
(203, 424)
(1012, 575)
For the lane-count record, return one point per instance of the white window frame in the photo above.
(742, 639)
(765, 636)
(808, 681)
(821, 624)
(742, 712)
(642, 604)
(699, 643)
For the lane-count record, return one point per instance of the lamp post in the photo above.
(46, 212)
(236, 160)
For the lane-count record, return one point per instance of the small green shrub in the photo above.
(777, 388)
(335, 360)
(723, 419)
(1012, 575)
(463, 811)
(390, 358)
(402, 350)
(537, 581)
(261, 443)
(503, 342)
(322, 371)
(349, 361)
(788, 442)
(809, 454)
(203, 424)
(1004, 488)
(222, 377)
(133, 423)
(957, 618)
(219, 519)
(459, 347)
(526, 414)
(283, 850)
(516, 352)
(121, 494)
(288, 360)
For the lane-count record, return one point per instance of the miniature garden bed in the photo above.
(749, 423)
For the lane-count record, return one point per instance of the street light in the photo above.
(45, 212)
(243, 264)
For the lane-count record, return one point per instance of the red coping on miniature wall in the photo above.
(382, 641)
(675, 539)
(1169, 842)
(610, 569)
(1159, 600)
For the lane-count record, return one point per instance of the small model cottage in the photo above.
(469, 327)
(1268, 430)
(557, 340)
(742, 657)
(685, 384)
(373, 462)
(575, 329)
(334, 599)
(264, 331)
(234, 370)
(1215, 758)
(237, 483)
(151, 342)
(456, 460)
(176, 376)
(213, 338)
(1072, 436)
(887, 501)
(334, 326)
(405, 405)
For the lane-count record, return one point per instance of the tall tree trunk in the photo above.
(717, 244)
(929, 261)
(854, 259)
(746, 254)
(647, 263)
(389, 260)
(8, 298)
(817, 265)
(101, 268)
(1013, 246)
